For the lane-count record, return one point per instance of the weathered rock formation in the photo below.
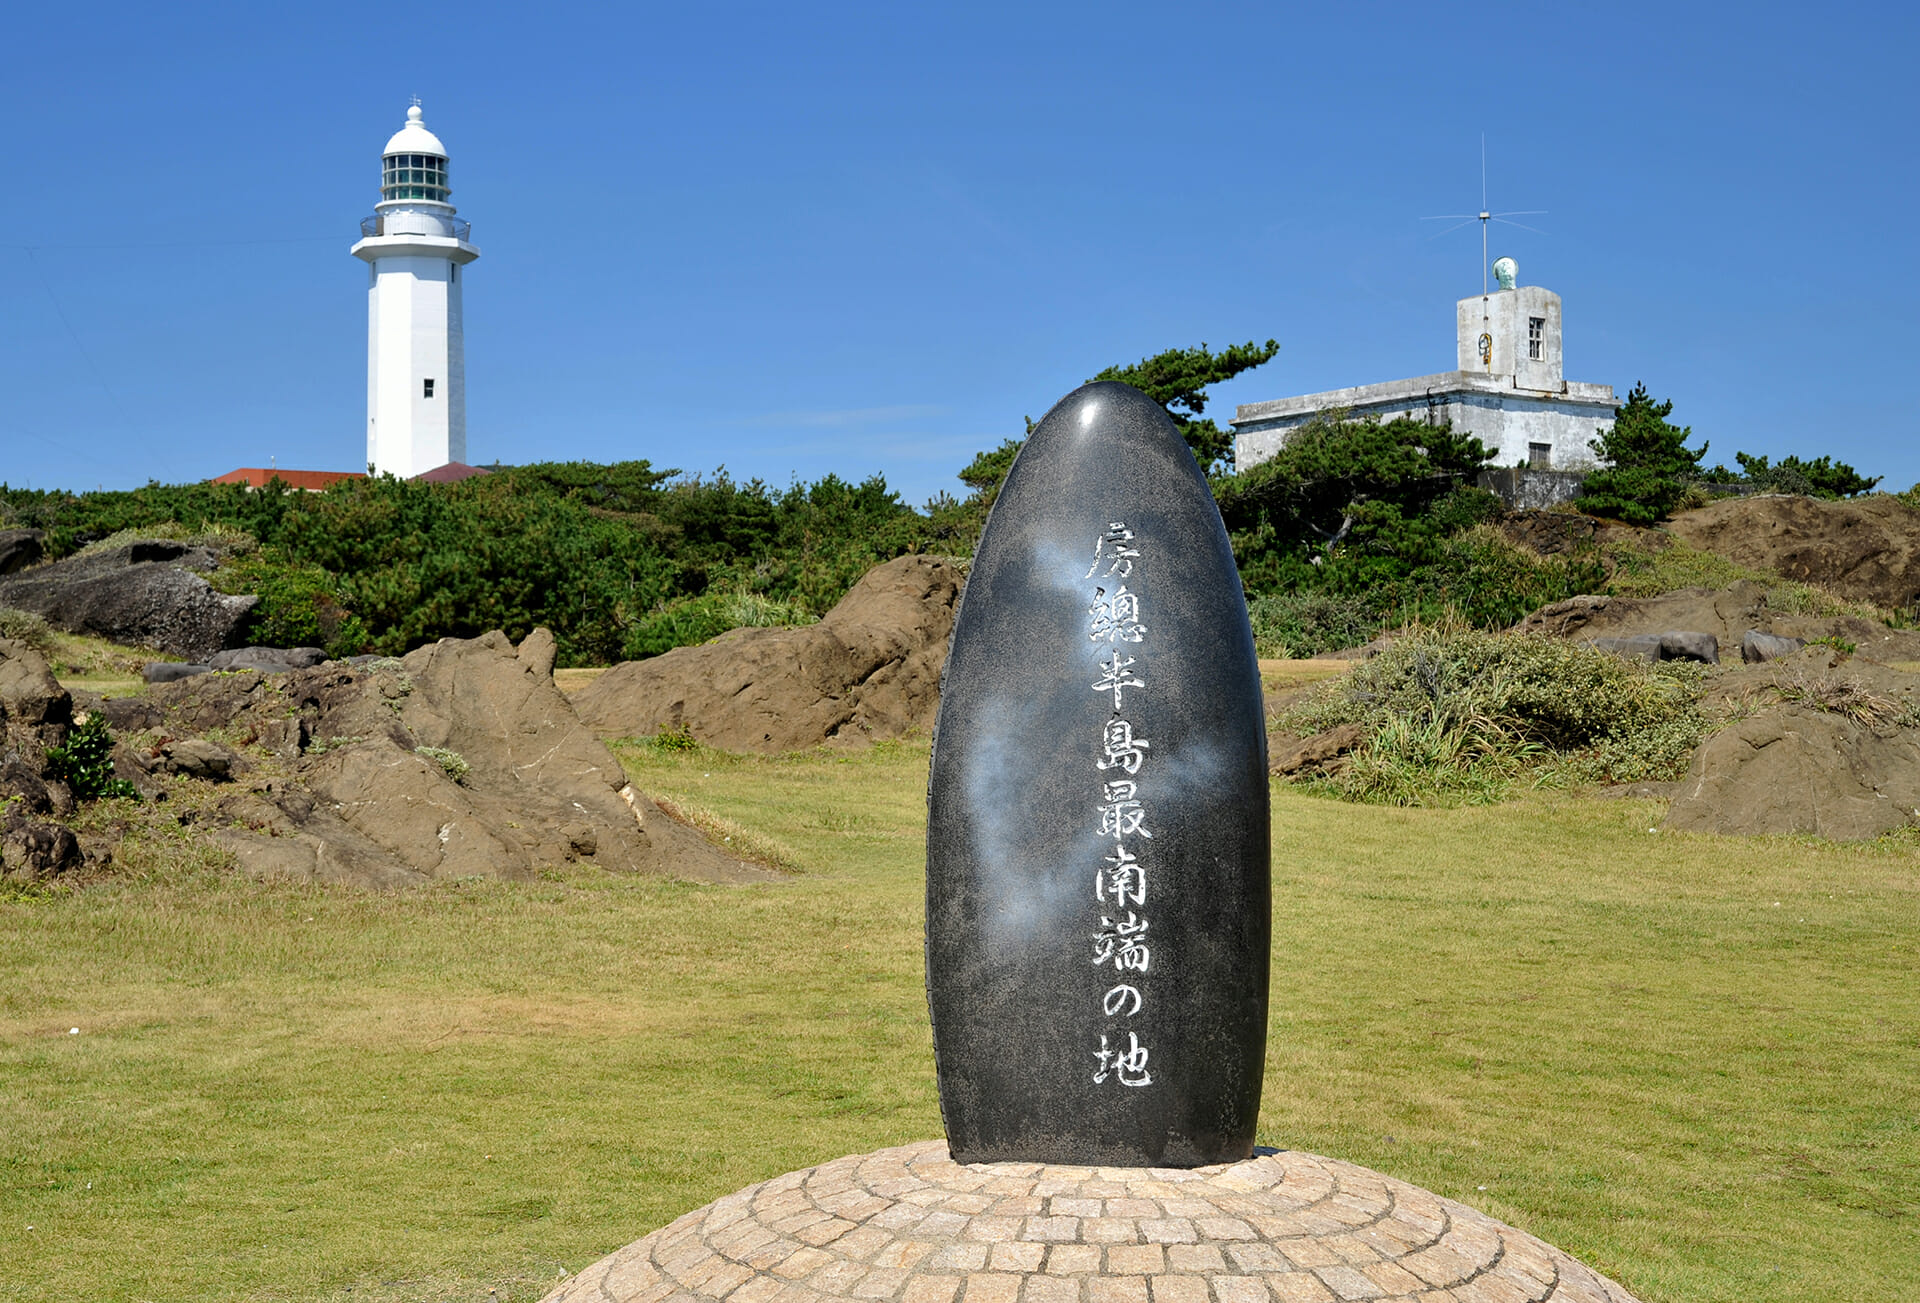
(870, 669)
(462, 759)
(1818, 743)
(1866, 549)
(35, 714)
(146, 593)
(20, 548)
(1725, 613)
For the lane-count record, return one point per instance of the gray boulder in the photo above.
(145, 593)
(172, 671)
(198, 757)
(268, 660)
(20, 548)
(1645, 646)
(37, 851)
(1757, 647)
(1681, 645)
(1674, 645)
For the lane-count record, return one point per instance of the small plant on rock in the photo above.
(452, 762)
(85, 763)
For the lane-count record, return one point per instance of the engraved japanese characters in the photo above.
(1097, 890)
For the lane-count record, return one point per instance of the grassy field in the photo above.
(1690, 1061)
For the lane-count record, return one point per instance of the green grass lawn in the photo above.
(1690, 1061)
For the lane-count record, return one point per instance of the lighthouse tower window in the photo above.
(414, 176)
(1536, 338)
(426, 388)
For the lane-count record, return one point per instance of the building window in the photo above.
(1539, 456)
(1536, 338)
(414, 176)
(426, 388)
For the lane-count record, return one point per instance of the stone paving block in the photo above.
(930, 1289)
(1299, 1287)
(1136, 1259)
(802, 1262)
(1283, 1228)
(993, 1228)
(1224, 1228)
(1067, 1259)
(1016, 1256)
(901, 1254)
(824, 1232)
(992, 1287)
(1195, 1257)
(1348, 1284)
(1168, 1230)
(963, 1255)
(880, 1283)
(1116, 1289)
(1239, 1289)
(1051, 1289)
(1393, 1278)
(757, 1289)
(1051, 1230)
(1178, 1289)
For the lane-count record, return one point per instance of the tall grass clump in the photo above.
(1460, 716)
(28, 628)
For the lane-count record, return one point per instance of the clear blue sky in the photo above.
(797, 239)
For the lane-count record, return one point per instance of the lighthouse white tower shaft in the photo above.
(415, 247)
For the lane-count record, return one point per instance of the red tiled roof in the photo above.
(452, 473)
(256, 477)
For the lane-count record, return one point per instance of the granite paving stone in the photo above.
(1284, 1227)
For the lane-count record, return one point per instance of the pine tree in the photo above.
(1646, 464)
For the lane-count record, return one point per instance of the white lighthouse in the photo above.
(416, 356)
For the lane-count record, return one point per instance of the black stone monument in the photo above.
(1097, 860)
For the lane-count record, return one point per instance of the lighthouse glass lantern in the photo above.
(414, 246)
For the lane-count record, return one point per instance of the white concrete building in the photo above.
(416, 353)
(1509, 389)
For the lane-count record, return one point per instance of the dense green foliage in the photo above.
(1820, 478)
(619, 561)
(1462, 716)
(1363, 524)
(1647, 466)
(85, 762)
(1177, 380)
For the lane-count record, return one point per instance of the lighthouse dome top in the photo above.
(414, 138)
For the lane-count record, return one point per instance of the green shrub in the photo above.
(1463, 714)
(85, 763)
(299, 603)
(676, 738)
(691, 620)
(1301, 624)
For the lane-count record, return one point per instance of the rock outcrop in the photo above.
(1866, 549)
(36, 714)
(20, 548)
(1725, 613)
(147, 594)
(869, 669)
(462, 759)
(1818, 742)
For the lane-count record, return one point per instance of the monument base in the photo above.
(910, 1225)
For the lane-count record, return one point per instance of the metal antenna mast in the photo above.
(1483, 217)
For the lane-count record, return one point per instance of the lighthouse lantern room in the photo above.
(414, 247)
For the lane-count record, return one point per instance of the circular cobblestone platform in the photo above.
(910, 1225)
